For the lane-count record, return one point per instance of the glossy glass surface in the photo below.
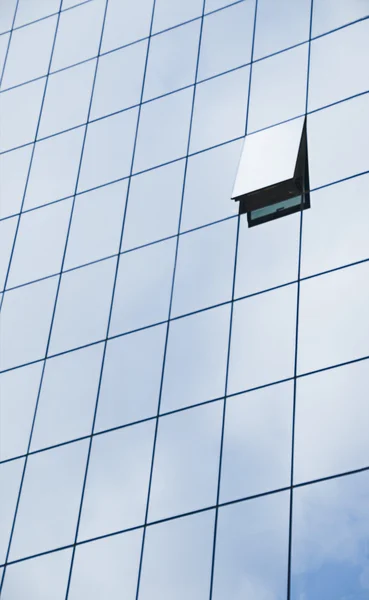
(172, 60)
(186, 461)
(143, 286)
(20, 109)
(177, 558)
(330, 539)
(108, 566)
(48, 509)
(281, 24)
(263, 339)
(188, 395)
(252, 549)
(82, 310)
(29, 53)
(116, 489)
(54, 168)
(196, 359)
(257, 442)
(227, 39)
(40, 243)
(204, 271)
(131, 378)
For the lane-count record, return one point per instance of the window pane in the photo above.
(329, 14)
(263, 339)
(19, 390)
(330, 533)
(13, 173)
(172, 60)
(331, 422)
(267, 255)
(78, 34)
(107, 568)
(83, 305)
(29, 52)
(186, 464)
(7, 15)
(67, 99)
(220, 110)
(109, 93)
(25, 322)
(20, 109)
(30, 11)
(42, 578)
(172, 12)
(257, 442)
(154, 205)
(252, 549)
(332, 234)
(117, 480)
(108, 151)
(281, 24)
(332, 76)
(7, 233)
(40, 243)
(177, 559)
(48, 508)
(143, 287)
(10, 478)
(126, 22)
(205, 267)
(268, 157)
(131, 378)
(196, 359)
(163, 130)
(4, 40)
(54, 168)
(68, 397)
(333, 310)
(338, 144)
(209, 182)
(96, 224)
(282, 77)
(226, 39)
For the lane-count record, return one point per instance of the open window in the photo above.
(273, 174)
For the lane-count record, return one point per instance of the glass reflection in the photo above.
(117, 480)
(107, 568)
(205, 266)
(333, 310)
(49, 503)
(186, 461)
(226, 39)
(332, 414)
(19, 390)
(196, 359)
(131, 378)
(257, 442)
(263, 339)
(252, 549)
(177, 559)
(42, 578)
(330, 539)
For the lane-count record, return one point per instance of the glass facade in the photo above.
(184, 400)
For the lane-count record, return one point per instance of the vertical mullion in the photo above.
(290, 526)
(170, 306)
(112, 298)
(230, 329)
(7, 275)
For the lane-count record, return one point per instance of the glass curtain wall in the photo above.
(184, 400)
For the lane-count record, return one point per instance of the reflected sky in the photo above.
(160, 418)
